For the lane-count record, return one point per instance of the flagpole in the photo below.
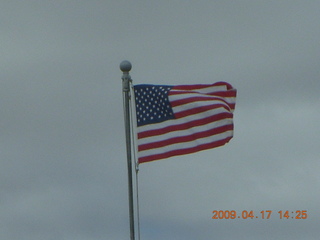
(125, 67)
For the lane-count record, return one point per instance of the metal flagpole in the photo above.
(125, 67)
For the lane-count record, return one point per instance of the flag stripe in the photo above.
(204, 88)
(219, 94)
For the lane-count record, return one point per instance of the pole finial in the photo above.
(125, 66)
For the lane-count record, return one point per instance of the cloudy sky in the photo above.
(63, 172)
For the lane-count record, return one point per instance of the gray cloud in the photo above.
(62, 146)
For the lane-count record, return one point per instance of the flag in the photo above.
(182, 119)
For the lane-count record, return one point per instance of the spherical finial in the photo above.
(125, 66)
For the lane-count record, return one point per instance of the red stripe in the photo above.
(219, 93)
(184, 151)
(200, 86)
(183, 126)
(188, 138)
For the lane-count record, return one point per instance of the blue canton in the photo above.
(152, 104)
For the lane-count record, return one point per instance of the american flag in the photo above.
(182, 119)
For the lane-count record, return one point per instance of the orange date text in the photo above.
(264, 214)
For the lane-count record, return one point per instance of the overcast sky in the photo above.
(63, 172)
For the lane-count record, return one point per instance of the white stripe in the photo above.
(186, 145)
(186, 132)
